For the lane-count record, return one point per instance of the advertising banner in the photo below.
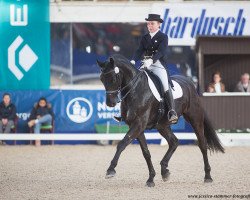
(183, 22)
(76, 111)
(24, 44)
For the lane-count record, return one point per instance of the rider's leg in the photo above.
(160, 71)
(172, 115)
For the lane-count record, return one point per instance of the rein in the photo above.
(134, 79)
(121, 89)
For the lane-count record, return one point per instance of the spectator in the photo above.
(216, 85)
(244, 84)
(7, 114)
(42, 113)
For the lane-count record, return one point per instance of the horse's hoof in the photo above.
(208, 180)
(165, 177)
(150, 184)
(110, 174)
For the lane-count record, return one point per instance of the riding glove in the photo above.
(148, 62)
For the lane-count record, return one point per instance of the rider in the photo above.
(153, 46)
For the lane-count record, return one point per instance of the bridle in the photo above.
(120, 89)
(118, 79)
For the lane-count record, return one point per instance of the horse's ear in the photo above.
(111, 60)
(100, 64)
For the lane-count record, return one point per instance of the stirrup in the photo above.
(118, 119)
(174, 118)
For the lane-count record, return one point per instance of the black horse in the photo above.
(139, 109)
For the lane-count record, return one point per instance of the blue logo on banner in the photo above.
(175, 27)
(79, 110)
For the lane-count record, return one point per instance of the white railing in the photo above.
(226, 138)
(207, 94)
(85, 136)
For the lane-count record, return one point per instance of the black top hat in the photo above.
(154, 17)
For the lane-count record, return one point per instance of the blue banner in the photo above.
(76, 111)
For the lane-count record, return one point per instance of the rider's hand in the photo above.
(142, 67)
(148, 62)
(132, 62)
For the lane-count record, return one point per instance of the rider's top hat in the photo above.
(154, 17)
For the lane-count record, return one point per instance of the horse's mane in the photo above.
(122, 61)
(119, 58)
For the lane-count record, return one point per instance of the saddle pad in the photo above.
(177, 92)
(157, 82)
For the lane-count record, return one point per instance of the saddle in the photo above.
(158, 84)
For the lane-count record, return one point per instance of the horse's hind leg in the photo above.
(147, 156)
(196, 119)
(172, 140)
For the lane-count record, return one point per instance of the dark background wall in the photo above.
(229, 112)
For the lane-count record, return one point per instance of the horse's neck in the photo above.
(128, 75)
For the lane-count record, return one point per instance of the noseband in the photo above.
(118, 79)
(119, 90)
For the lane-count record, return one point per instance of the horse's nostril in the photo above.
(111, 104)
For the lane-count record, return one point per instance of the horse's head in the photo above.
(110, 77)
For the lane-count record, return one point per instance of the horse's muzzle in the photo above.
(112, 100)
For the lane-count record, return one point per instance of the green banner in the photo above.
(24, 44)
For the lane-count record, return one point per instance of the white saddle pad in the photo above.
(177, 92)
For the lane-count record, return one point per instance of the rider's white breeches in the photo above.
(161, 72)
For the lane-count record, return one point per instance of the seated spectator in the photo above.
(244, 84)
(42, 113)
(7, 114)
(216, 85)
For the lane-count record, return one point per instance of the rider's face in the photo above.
(153, 26)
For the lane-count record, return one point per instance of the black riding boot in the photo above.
(172, 116)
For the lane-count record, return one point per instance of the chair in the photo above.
(13, 128)
(44, 129)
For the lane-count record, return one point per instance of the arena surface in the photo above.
(78, 172)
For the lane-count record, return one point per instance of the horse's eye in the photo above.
(113, 80)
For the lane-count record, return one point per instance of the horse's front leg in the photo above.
(144, 147)
(134, 131)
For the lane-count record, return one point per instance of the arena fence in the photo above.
(226, 138)
(86, 136)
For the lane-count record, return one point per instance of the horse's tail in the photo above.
(213, 142)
